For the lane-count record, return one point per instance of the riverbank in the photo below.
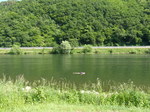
(115, 50)
(79, 50)
(21, 95)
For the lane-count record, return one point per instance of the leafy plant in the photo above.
(147, 51)
(133, 51)
(87, 49)
(63, 48)
(15, 50)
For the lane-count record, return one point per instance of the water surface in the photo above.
(118, 68)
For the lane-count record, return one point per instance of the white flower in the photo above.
(26, 89)
(82, 91)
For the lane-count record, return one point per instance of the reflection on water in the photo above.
(118, 68)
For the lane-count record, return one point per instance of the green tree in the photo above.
(94, 22)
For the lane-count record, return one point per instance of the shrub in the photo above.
(56, 50)
(15, 50)
(130, 98)
(147, 51)
(133, 51)
(63, 48)
(110, 51)
(36, 95)
(87, 49)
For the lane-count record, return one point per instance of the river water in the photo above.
(117, 68)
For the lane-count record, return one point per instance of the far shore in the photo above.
(79, 50)
(110, 47)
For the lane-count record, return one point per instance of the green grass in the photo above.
(37, 51)
(116, 51)
(28, 51)
(60, 107)
(4, 51)
(122, 51)
(19, 94)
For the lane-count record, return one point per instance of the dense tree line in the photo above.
(95, 22)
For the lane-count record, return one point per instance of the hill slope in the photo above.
(96, 22)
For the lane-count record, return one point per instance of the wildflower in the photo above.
(82, 91)
(26, 89)
(89, 92)
(85, 92)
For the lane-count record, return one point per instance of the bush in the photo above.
(110, 51)
(63, 48)
(130, 98)
(56, 50)
(36, 95)
(15, 50)
(147, 51)
(133, 51)
(87, 49)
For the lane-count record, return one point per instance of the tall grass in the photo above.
(19, 92)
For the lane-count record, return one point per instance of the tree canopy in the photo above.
(96, 22)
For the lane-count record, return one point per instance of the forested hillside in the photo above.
(96, 22)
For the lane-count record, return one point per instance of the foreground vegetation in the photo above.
(96, 22)
(20, 95)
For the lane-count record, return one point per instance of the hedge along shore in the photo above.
(79, 50)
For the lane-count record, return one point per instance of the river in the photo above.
(117, 68)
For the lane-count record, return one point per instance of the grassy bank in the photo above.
(28, 51)
(20, 95)
(115, 51)
(80, 51)
(57, 107)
